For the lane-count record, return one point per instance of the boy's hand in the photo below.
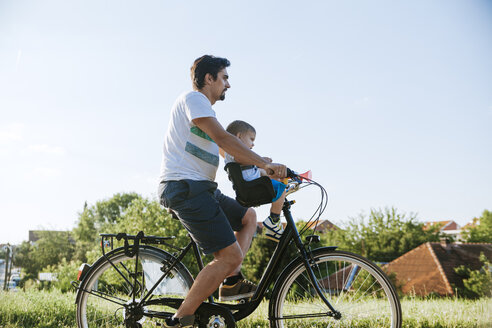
(268, 159)
(275, 170)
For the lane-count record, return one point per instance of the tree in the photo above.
(51, 249)
(149, 216)
(92, 219)
(261, 251)
(257, 258)
(481, 230)
(476, 283)
(24, 257)
(383, 236)
(128, 213)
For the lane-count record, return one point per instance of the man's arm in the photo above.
(233, 146)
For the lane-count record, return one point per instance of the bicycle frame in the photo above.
(290, 233)
(241, 310)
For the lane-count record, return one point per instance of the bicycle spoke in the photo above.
(357, 290)
(107, 294)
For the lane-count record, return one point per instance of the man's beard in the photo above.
(222, 96)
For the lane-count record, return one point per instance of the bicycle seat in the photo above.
(249, 193)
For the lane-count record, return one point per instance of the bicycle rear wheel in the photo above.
(108, 289)
(353, 285)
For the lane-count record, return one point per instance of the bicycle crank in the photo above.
(214, 316)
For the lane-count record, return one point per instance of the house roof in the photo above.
(455, 255)
(35, 235)
(443, 225)
(322, 226)
(430, 267)
(340, 279)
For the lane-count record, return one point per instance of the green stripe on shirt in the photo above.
(197, 131)
(202, 154)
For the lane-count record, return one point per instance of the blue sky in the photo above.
(388, 103)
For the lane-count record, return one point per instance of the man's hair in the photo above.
(206, 64)
(238, 126)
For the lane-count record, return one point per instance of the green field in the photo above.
(43, 309)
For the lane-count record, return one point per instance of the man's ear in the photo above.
(209, 78)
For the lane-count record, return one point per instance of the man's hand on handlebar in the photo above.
(275, 170)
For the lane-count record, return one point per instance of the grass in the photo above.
(37, 309)
(446, 312)
(43, 309)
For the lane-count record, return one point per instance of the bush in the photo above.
(66, 272)
(481, 229)
(477, 283)
(383, 235)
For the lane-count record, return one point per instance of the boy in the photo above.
(247, 134)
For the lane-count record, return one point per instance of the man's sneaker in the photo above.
(274, 230)
(240, 290)
(184, 322)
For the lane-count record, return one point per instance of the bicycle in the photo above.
(139, 284)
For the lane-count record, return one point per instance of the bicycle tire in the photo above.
(353, 285)
(96, 311)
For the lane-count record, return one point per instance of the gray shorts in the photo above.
(209, 216)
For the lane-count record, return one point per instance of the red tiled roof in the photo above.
(322, 226)
(338, 280)
(443, 225)
(430, 267)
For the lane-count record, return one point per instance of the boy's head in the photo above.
(244, 131)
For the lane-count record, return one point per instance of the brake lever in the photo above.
(294, 176)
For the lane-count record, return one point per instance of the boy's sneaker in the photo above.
(184, 322)
(274, 230)
(240, 290)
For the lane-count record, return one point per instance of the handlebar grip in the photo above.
(291, 174)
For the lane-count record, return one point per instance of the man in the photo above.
(190, 162)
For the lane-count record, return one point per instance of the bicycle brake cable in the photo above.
(319, 210)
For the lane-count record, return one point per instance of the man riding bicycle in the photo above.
(219, 224)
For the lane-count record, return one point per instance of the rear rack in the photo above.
(107, 240)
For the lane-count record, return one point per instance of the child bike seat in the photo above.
(249, 193)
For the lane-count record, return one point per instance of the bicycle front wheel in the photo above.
(110, 292)
(353, 285)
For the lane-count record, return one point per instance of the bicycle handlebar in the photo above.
(291, 174)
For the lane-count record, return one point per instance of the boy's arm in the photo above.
(232, 145)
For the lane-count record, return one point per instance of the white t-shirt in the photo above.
(248, 174)
(189, 153)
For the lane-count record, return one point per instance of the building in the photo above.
(448, 228)
(35, 235)
(429, 268)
